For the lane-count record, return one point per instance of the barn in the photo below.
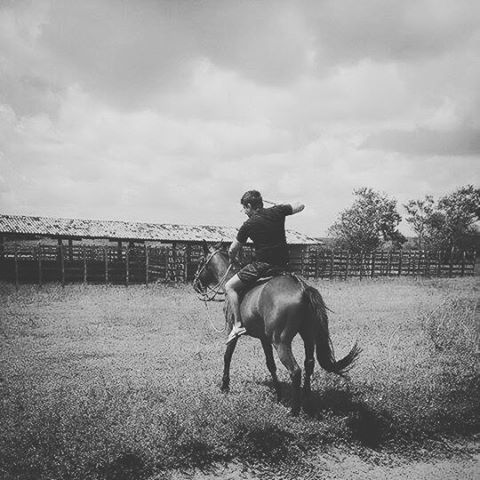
(48, 230)
(67, 249)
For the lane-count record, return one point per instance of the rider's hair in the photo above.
(252, 197)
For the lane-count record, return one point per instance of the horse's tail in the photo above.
(324, 346)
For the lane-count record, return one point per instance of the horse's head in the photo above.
(211, 269)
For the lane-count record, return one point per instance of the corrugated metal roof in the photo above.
(112, 229)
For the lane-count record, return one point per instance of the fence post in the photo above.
(415, 263)
(400, 263)
(15, 257)
(302, 260)
(316, 263)
(105, 258)
(127, 267)
(463, 263)
(39, 249)
(62, 264)
(347, 263)
(185, 262)
(332, 260)
(70, 249)
(372, 271)
(174, 260)
(147, 259)
(84, 257)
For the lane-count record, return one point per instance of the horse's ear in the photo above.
(205, 247)
(221, 245)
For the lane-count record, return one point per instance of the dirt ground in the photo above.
(343, 466)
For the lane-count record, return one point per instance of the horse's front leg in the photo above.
(227, 359)
(272, 368)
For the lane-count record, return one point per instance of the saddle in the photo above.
(266, 278)
(272, 274)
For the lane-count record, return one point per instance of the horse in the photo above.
(275, 310)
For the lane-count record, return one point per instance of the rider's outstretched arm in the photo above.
(297, 207)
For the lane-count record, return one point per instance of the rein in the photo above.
(212, 292)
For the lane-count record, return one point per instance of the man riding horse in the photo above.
(274, 311)
(266, 228)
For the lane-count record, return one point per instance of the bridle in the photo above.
(211, 292)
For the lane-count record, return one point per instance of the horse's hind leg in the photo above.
(272, 368)
(309, 365)
(227, 359)
(285, 354)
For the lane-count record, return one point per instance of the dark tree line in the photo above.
(448, 224)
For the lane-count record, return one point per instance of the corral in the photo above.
(147, 253)
(41, 249)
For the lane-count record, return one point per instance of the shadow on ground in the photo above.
(363, 423)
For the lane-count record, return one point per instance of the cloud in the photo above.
(125, 52)
(26, 82)
(387, 31)
(422, 141)
(169, 111)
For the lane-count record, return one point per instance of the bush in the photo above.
(452, 325)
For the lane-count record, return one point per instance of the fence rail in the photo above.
(344, 264)
(178, 262)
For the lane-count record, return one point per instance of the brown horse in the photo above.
(274, 311)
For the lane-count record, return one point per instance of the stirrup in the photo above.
(235, 333)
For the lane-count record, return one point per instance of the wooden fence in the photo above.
(179, 262)
(318, 263)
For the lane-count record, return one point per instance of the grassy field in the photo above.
(106, 382)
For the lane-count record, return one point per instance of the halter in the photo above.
(216, 289)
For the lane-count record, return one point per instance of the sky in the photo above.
(168, 111)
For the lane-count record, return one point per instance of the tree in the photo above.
(372, 220)
(420, 212)
(449, 224)
(462, 211)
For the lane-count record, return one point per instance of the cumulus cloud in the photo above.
(167, 111)
(422, 141)
(389, 31)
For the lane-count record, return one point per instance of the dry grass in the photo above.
(114, 382)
